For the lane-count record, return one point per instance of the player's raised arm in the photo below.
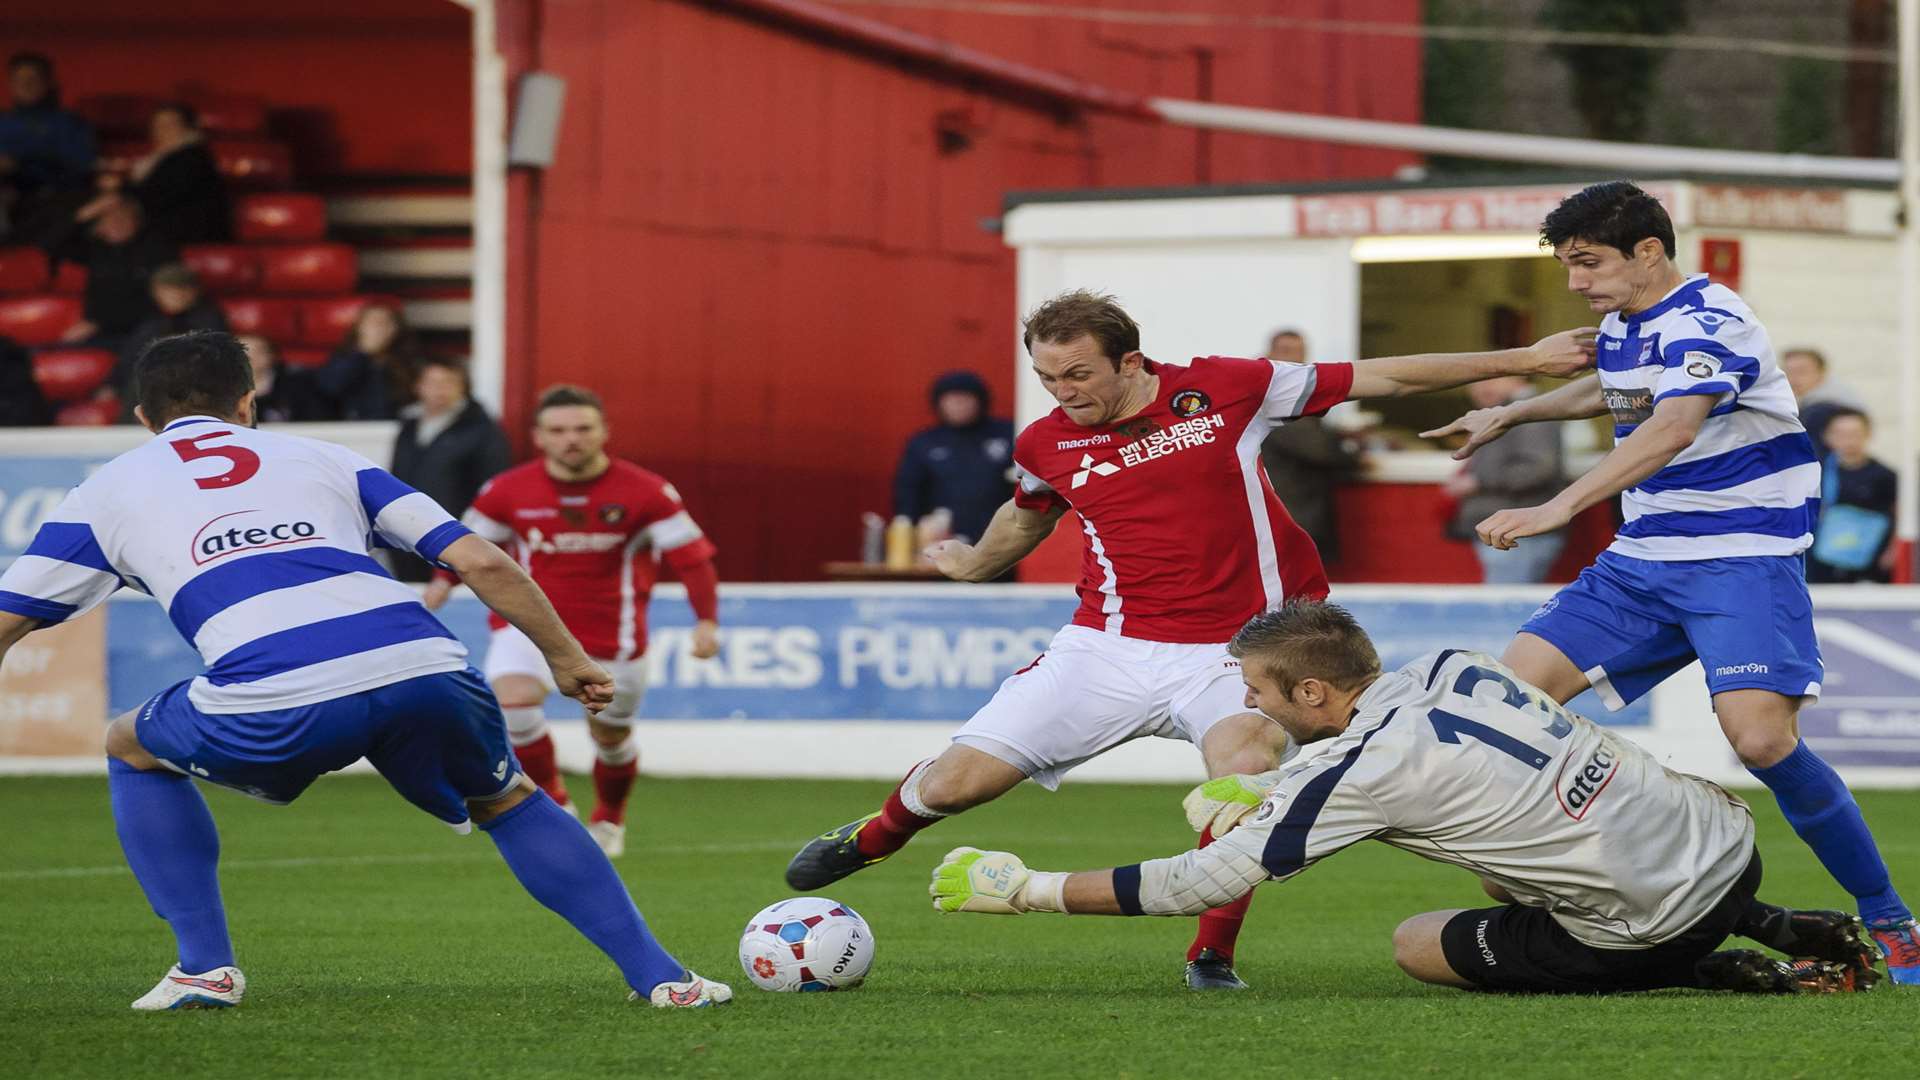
(1011, 536)
(1579, 400)
(1672, 428)
(1560, 355)
(502, 585)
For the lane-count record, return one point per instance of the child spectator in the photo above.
(1852, 541)
(120, 254)
(179, 306)
(280, 394)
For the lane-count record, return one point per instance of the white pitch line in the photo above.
(302, 862)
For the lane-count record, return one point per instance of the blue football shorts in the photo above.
(438, 739)
(1630, 623)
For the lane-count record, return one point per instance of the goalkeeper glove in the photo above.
(1220, 804)
(994, 883)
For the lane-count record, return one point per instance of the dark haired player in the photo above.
(1185, 540)
(256, 543)
(1720, 486)
(590, 529)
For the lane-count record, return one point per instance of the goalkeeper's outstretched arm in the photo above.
(998, 883)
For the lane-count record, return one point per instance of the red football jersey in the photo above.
(591, 546)
(1185, 538)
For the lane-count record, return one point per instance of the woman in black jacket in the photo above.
(371, 375)
(179, 184)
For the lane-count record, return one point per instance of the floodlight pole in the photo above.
(1908, 298)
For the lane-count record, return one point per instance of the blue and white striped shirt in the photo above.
(1750, 483)
(257, 543)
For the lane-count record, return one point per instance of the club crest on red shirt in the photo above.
(1190, 403)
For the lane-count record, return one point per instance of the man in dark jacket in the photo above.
(962, 464)
(447, 447)
(120, 255)
(46, 152)
(1305, 458)
(1529, 469)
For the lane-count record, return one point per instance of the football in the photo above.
(806, 943)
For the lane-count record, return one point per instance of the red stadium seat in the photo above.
(37, 320)
(118, 115)
(308, 269)
(304, 356)
(224, 269)
(70, 279)
(273, 319)
(280, 216)
(225, 116)
(90, 413)
(22, 270)
(71, 374)
(253, 163)
(324, 323)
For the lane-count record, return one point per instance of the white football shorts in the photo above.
(510, 652)
(1091, 691)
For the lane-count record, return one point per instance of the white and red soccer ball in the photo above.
(808, 943)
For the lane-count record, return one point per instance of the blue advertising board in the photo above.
(932, 653)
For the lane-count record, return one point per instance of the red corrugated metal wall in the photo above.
(753, 244)
(357, 86)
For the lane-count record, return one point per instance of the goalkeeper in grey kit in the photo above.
(1611, 873)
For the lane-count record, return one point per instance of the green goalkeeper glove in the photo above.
(1220, 804)
(994, 883)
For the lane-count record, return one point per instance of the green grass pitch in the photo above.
(378, 944)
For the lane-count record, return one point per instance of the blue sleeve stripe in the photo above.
(47, 611)
(1286, 851)
(1735, 467)
(378, 487)
(1126, 889)
(72, 542)
(228, 583)
(1789, 522)
(436, 541)
(328, 639)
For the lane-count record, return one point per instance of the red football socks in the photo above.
(536, 760)
(890, 831)
(1219, 927)
(611, 784)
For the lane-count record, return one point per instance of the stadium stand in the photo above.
(284, 278)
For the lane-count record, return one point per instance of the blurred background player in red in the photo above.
(590, 529)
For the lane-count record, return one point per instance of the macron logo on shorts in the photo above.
(1742, 669)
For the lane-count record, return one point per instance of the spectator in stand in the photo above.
(447, 447)
(1305, 458)
(21, 403)
(178, 184)
(1853, 540)
(1528, 472)
(120, 255)
(370, 376)
(963, 463)
(1819, 396)
(179, 306)
(46, 153)
(280, 394)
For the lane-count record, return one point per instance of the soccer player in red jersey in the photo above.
(1185, 542)
(590, 529)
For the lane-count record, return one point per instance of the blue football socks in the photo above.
(560, 865)
(168, 835)
(1821, 809)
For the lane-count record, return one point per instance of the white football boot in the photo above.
(612, 838)
(221, 988)
(694, 993)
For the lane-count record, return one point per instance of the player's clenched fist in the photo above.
(994, 883)
(1565, 354)
(585, 682)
